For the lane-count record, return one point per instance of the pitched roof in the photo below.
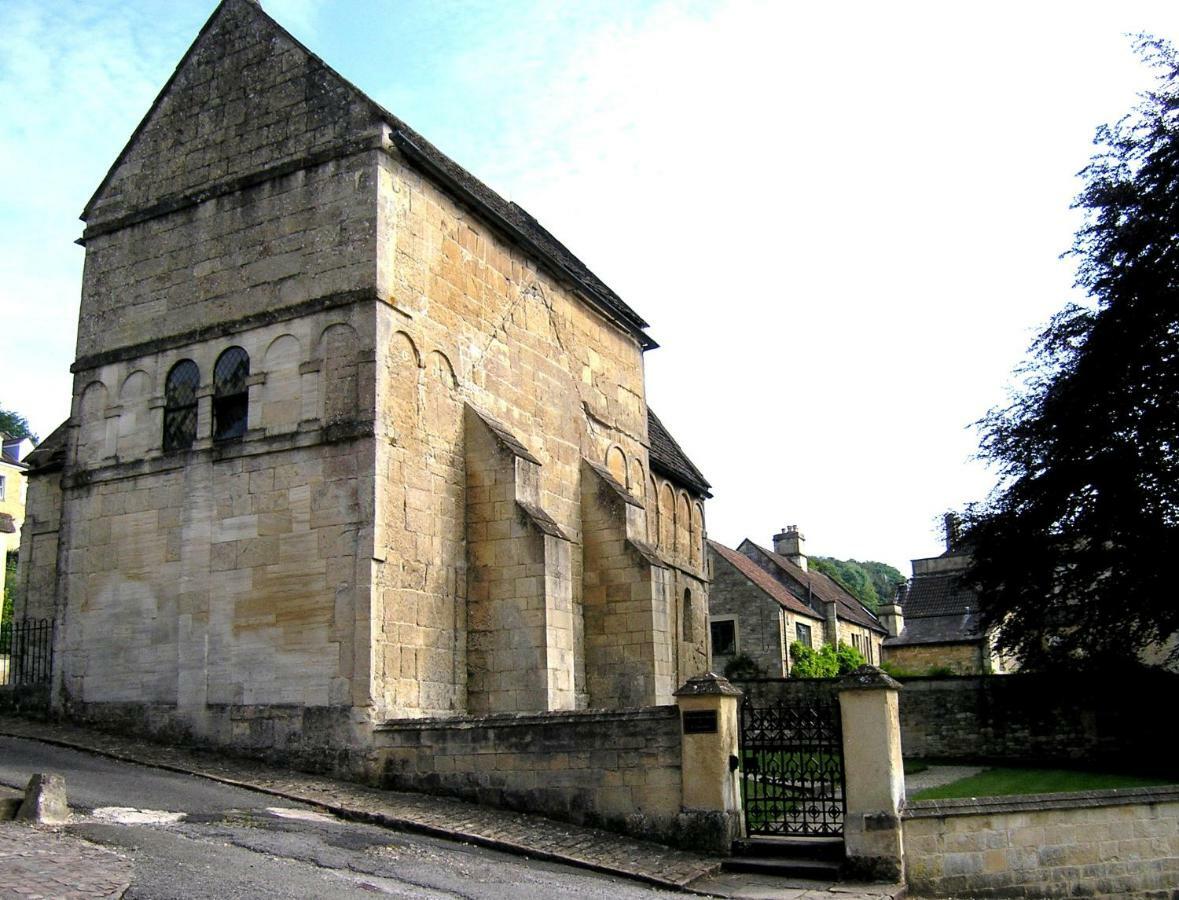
(509, 218)
(669, 458)
(938, 609)
(762, 580)
(953, 629)
(825, 589)
(51, 451)
(939, 594)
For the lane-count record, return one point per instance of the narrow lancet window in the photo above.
(180, 405)
(231, 403)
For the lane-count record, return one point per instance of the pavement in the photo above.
(40, 861)
(48, 863)
(936, 776)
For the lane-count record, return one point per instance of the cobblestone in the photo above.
(39, 862)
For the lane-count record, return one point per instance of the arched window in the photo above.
(688, 620)
(231, 403)
(180, 405)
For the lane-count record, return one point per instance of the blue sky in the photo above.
(843, 220)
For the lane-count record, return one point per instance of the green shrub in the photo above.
(743, 666)
(826, 662)
(849, 658)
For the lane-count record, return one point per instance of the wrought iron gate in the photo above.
(791, 767)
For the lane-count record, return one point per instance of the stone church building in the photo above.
(353, 440)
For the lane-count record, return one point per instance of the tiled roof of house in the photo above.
(938, 609)
(761, 579)
(825, 589)
(668, 457)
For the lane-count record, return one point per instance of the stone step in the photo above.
(784, 867)
(828, 848)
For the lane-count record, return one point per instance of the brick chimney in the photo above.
(952, 525)
(791, 543)
(892, 614)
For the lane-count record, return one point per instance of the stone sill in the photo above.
(558, 716)
(1017, 803)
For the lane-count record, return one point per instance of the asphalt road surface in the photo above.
(191, 837)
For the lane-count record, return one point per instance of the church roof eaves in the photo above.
(669, 458)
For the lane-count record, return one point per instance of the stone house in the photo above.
(933, 621)
(13, 489)
(763, 600)
(353, 440)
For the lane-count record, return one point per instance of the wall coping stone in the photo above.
(507, 720)
(868, 678)
(708, 684)
(1017, 803)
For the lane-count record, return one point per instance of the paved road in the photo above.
(190, 837)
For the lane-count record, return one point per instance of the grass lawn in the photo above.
(1000, 782)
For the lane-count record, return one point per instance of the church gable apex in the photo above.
(246, 97)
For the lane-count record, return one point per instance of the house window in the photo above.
(230, 395)
(687, 622)
(1, 487)
(803, 634)
(724, 637)
(180, 405)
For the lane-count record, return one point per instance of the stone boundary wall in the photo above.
(1112, 720)
(1108, 721)
(25, 700)
(615, 769)
(1117, 843)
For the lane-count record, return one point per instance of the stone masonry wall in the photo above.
(760, 626)
(306, 237)
(615, 769)
(962, 659)
(1093, 720)
(470, 319)
(230, 574)
(1122, 843)
(245, 99)
(35, 590)
(627, 641)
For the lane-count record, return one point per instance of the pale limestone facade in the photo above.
(444, 499)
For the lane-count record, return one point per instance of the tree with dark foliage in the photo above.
(1072, 552)
(15, 425)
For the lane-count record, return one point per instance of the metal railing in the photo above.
(26, 652)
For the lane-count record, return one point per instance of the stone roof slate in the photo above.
(668, 457)
(762, 580)
(938, 609)
(825, 589)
